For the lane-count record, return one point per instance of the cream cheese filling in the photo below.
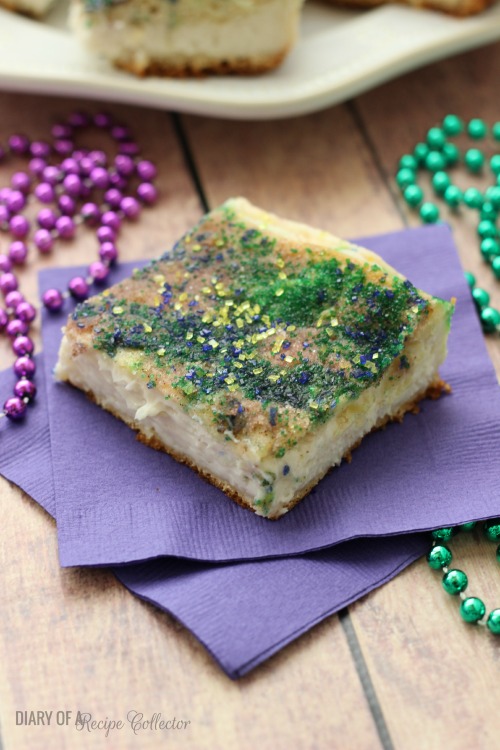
(268, 485)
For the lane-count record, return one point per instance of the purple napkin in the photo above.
(120, 501)
(242, 612)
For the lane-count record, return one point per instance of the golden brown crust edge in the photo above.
(20, 11)
(436, 389)
(464, 9)
(242, 67)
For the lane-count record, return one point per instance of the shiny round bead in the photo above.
(16, 327)
(495, 164)
(147, 172)
(117, 181)
(22, 345)
(111, 219)
(98, 158)
(130, 207)
(53, 300)
(493, 196)
(65, 227)
(36, 166)
(25, 388)
(473, 198)
(40, 149)
(407, 161)
(46, 218)
(99, 177)
(420, 152)
(60, 130)
(16, 201)
(435, 161)
(105, 234)
(70, 166)
(453, 196)
(444, 534)
(24, 367)
(490, 319)
(19, 144)
(495, 267)
(67, 205)
(18, 252)
(435, 138)
(480, 297)
(440, 181)
(469, 526)
(124, 165)
(413, 195)
(113, 197)
(439, 557)
(495, 131)
(4, 215)
(108, 252)
(429, 213)
(72, 185)
(52, 175)
(43, 240)
(8, 283)
(78, 120)
(21, 181)
(129, 148)
(91, 214)
(470, 279)
(98, 271)
(451, 154)
(14, 408)
(405, 177)
(453, 125)
(103, 120)
(78, 288)
(19, 226)
(472, 609)
(474, 160)
(148, 194)
(13, 299)
(477, 129)
(5, 264)
(4, 319)
(490, 248)
(486, 228)
(493, 622)
(45, 192)
(491, 529)
(120, 133)
(488, 211)
(63, 147)
(454, 581)
(26, 312)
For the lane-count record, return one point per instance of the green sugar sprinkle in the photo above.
(232, 312)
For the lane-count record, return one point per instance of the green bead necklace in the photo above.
(436, 155)
(455, 581)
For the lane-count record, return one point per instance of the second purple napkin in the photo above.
(119, 501)
(241, 612)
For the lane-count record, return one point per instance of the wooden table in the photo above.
(399, 669)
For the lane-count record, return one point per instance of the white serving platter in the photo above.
(341, 53)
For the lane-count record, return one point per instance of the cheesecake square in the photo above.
(188, 37)
(258, 351)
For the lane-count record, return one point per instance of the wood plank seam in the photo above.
(365, 679)
(189, 160)
(385, 178)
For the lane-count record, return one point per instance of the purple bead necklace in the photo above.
(75, 186)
